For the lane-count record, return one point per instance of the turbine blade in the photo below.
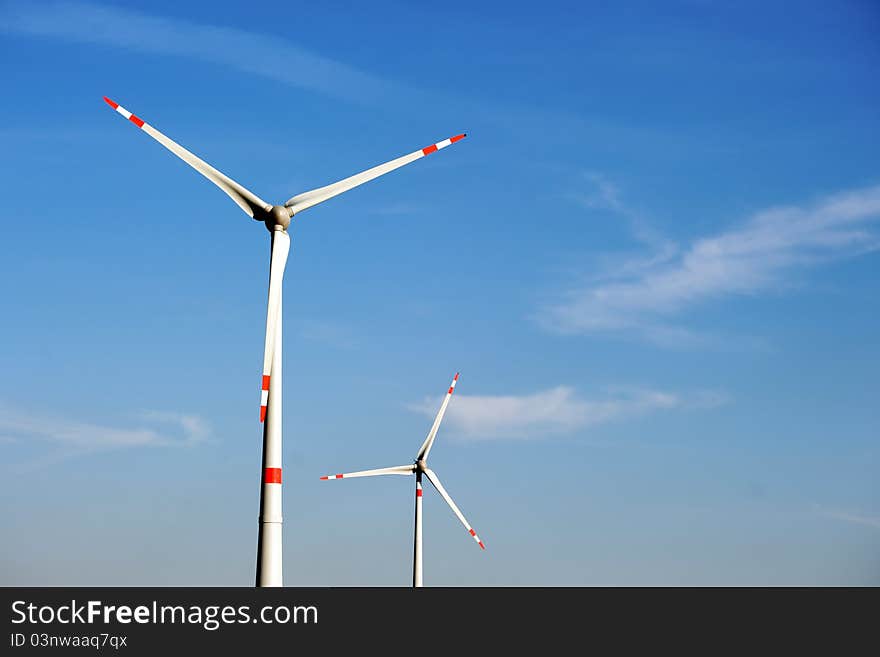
(435, 480)
(396, 470)
(429, 441)
(306, 200)
(246, 199)
(280, 250)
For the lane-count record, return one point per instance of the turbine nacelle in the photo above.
(276, 216)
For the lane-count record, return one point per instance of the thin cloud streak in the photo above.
(761, 254)
(559, 410)
(600, 193)
(853, 518)
(249, 52)
(153, 429)
(273, 58)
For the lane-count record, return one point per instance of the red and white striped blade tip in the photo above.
(427, 150)
(338, 476)
(139, 122)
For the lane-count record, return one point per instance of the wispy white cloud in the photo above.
(855, 518)
(252, 53)
(150, 429)
(558, 410)
(275, 58)
(598, 192)
(762, 253)
(192, 428)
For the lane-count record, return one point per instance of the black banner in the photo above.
(135, 621)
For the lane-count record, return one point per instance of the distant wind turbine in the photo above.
(420, 467)
(277, 220)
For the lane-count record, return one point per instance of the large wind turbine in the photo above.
(420, 467)
(277, 220)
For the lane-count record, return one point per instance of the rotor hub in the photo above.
(277, 216)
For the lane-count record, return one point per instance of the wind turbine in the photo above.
(277, 220)
(420, 467)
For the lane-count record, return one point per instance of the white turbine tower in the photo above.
(420, 467)
(277, 220)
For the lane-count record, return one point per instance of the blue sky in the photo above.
(654, 261)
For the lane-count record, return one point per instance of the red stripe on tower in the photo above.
(272, 476)
(418, 492)
(266, 378)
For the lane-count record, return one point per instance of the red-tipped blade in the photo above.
(427, 150)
